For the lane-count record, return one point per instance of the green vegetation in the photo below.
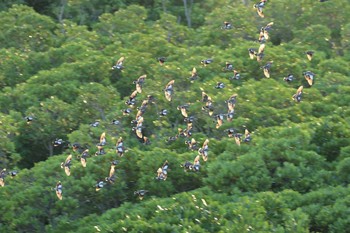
(56, 61)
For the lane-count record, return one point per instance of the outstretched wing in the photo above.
(120, 61)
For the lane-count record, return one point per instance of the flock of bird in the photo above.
(208, 107)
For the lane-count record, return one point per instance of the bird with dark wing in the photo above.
(58, 190)
(259, 8)
(252, 53)
(100, 149)
(192, 144)
(115, 122)
(171, 139)
(2, 177)
(264, 31)
(83, 157)
(76, 147)
(119, 64)
(132, 99)
(289, 78)
(220, 85)
(95, 123)
(161, 60)
(196, 163)
(126, 111)
(66, 164)
(141, 193)
(203, 151)
(139, 83)
(230, 114)
(260, 56)
(219, 120)
(309, 54)
(58, 142)
(208, 103)
(236, 75)
(238, 138)
(162, 172)
(247, 136)
(195, 166)
(227, 25)
(29, 119)
(103, 140)
(266, 68)
(206, 62)
(231, 102)
(194, 74)
(120, 149)
(228, 67)
(163, 112)
(261, 49)
(183, 108)
(99, 185)
(230, 132)
(145, 140)
(169, 90)
(139, 126)
(310, 77)
(298, 94)
(111, 176)
(189, 119)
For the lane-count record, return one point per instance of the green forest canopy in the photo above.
(56, 64)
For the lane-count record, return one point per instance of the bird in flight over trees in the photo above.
(297, 95)
(289, 78)
(207, 61)
(58, 190)
(169, 90)
(194, 74)
(139, 83)
(266, 68)
(162, 172)
(141, 193)
(66, 164)
(83, 157)
(309, 76)
(227, 25)
(119, 64)
(111, 175)
(161, 60)
(259, 8)
(203, 151)
(309, 54)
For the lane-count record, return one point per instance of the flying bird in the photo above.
(162, 172)
(195, 166)
(29, 119)
(228, 67)
(132, 99)
(227, 25)
(111, 175)
(266, 68)
(2, 177)
(247, 136)
(141, 193)
(58, 142)
(220, 85)
(259, 8)
(203, 151)
(66, 165)
(236, 75)
(183, 109)
(119, 64)
(309, 54)
(297, 95)
(58, 190)
(207, 61)
(120, 147)
(219, 120)
(95, 123)
(309, 76)
(139, 83)
(194, 74)
(252, 53)
(192, 144)
(83, 157)
(99, 185)
(163, 112)
(264, 31)
(169, 90)
(161, 60)
(289, 78)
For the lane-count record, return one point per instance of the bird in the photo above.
(100, 149)
(196, 163)
(297, 95)
(163, 112)
(139, 82)
(161, 60)
(252, 53)
(76, 147)
(194, 74)
(227, 25)
(58, 142)
(183, 108)
(236, 75)
(141, 193)
(228, 67)
(203, 151)
(261, 49)
(162, 172)
(247, 136)
(309, 54)
(111, 175)
(231, 102)
(169, 90)
(266, 68)
(126, 111)
(2, 177)
(208, 103)
(66, 164)
(99, 185)
(289, 78)
(29, 119)
(220, 85)
(207, 61)
(259, 8)
(115, 122)
(103, 140)
(132, 98)
(120, 147)
(95, 124)
(58, 190)
(83, 157)
(230, 114)
(238, 138)
(264, 31)
(309, 76)
(119, 64)
(230, 132)
(219, 120)
(192, 144)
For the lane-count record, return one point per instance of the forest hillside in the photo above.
(174, 116)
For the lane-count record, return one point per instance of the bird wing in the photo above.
(266, 73)
(102, 138)
(261, 48)
(205, 143)
(184, 112)
(2, 182)
(238, 140)
(111, 171)
(133, 94)
(120, 61)
(196, 160)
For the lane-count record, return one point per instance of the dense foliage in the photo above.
(56, 60)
